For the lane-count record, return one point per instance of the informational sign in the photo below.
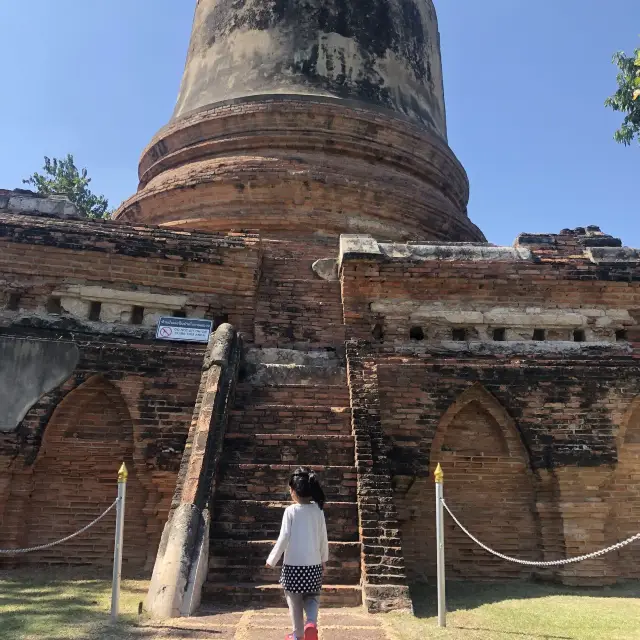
(184, 329)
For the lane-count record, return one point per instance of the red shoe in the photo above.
(311, 632)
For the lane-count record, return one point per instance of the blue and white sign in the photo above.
(184, 329)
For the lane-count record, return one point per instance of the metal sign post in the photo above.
(117, 551)
(442, 603)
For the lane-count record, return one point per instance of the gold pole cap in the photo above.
(439, 474)
(123, 474)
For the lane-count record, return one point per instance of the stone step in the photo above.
(305, 287)
(288, 418)
(298, 312)
(391, 578)
(270, 482)
(261, 520)
(278, 374)
(245, 561)
(299, 450)
(294, 266)
(327, 359)
(271, 595)
(324, 395)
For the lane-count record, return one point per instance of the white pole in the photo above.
(117, 551)
(442, 603)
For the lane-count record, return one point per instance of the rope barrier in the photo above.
(550, 563)
(57, 542)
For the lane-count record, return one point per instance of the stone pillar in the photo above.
(584, 517)
(384, 580)
(181, 564)
(550, 523)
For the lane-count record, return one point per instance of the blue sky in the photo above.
(525, 84)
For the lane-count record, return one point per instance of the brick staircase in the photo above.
(295, 308)
(278, 424)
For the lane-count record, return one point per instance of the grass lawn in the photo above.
(524, 611)
(62, 605)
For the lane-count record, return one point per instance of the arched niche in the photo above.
(477, 424)
(488, 483)
(623, 496)
(74, 479)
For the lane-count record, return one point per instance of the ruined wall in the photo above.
(623, 493)
(94, 289)
(515, 369)
(125, 401)
(295, 307)
(437, 288)
(91, 275)
(561, 414)
(88, 433)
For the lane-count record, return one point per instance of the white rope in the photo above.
(57, 542)
(549, 563)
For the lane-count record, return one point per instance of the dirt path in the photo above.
(272, 624)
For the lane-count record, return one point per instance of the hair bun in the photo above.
(305, 483)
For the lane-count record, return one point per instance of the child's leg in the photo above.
(296, 609)
(311, 606)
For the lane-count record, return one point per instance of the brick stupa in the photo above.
(304, 199)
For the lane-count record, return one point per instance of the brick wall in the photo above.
(127, 400)
(130, 398)
(394, 288)
(40, 257)
(384, 574)
(536, 437)
(73, 480)
(526, 446)
(623, 494)
(294, 306)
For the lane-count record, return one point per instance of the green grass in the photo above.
(65, 605)
(524, 611)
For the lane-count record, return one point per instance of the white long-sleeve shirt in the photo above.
(303, 537)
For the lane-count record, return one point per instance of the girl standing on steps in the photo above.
(303, 540)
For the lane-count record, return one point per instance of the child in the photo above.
(303, 540)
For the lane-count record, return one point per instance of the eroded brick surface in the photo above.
(535, 436)
(60, 466)
(130, 398)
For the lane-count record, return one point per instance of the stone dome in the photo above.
(385, 53)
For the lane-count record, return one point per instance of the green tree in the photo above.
(61, 177)
(627, 98)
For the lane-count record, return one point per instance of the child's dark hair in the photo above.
(306, 485)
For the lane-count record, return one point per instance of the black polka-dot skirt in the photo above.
(301, 579)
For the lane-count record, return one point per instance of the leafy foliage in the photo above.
(627, 98)
(61, 177)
